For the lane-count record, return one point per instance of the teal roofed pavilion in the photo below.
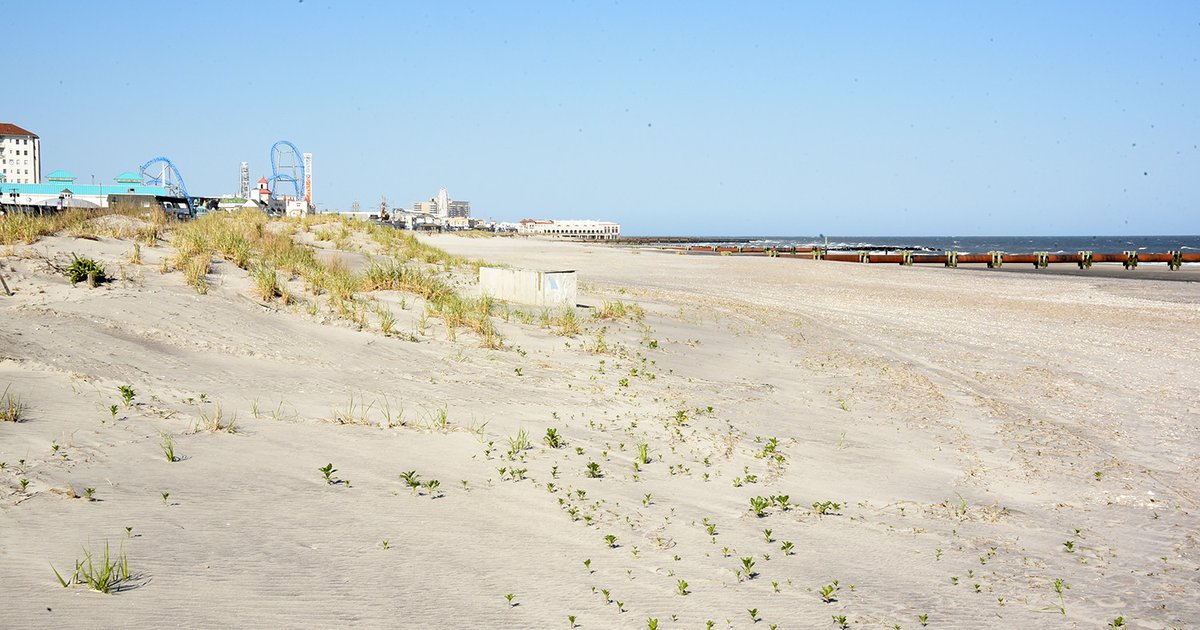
(60, 176)
(128, 177)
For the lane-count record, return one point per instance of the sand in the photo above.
(967, 424)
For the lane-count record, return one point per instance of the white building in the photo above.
(20, 155)
(584, 230)
(443, 207)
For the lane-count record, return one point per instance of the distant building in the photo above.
(443, 207)
(20, 155)
(61, 191)
(584, 230)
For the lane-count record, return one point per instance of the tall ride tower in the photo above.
(244, 182)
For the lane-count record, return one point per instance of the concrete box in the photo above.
(526, 286)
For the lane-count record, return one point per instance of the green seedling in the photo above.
(828, 592)
(786, 547)
(753, 614)
(611, 541)
(681, 586)
(840, 622)
(759, 506)
(1069, 546)
(109, 575)
(127, 395)
(165, 496)
(587, 564)
(386, 544)
(823, 508)
(553, 439)
(924, 619)
(88, 493)
(129, 532)
(327, 470)
(1060, 585)
(748, 565)
(643, 454)
(571, 621)
(767, 536)
(24, 483)
(168, 447)
(593, 470)
(651, 623)
(775, 586)
(412, 480)
(646, 499)
(113, 410)
(1119, 622)
(509, 597)
(432, 486)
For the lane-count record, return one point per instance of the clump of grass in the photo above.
(618, 310)
(266, 283)
(216, 422)
(563, 321)
(12, 408)
(106, 574)
(127, 394)
(85, 269)
(167, 444)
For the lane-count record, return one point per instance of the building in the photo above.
(61, 191)
(20, 155)
(443, 207)
(583, 230)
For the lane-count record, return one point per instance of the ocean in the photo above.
(968, 244)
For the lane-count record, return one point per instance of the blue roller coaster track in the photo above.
(167, 176)
(278, 152)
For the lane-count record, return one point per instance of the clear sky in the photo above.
(789, 118)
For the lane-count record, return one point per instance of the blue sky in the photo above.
(671, 118)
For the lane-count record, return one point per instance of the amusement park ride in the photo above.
(291, 172)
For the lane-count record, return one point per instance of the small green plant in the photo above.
(1119, 622)
(571, 621)
(386, 544)
(553, 439)
(113, 410)
(432, 486)
(1069, 546)
(412, 480)
(759, 506)
(12, 409)
(682, 586)
(89, 493)
(748, 566)
(593, 470)
(167, 444)
(643, 454)
(828, 592)
(1060, 585)
(327, 470)
(85, 269)
(587, 564)
(165, 496)
(651, 623)
(106, 574)
(787, 547)
(840, 622)
(767, 536)
(924, 619)
(509, 597)
(753, 614)
(823, 508)
(24, 483)
(129, 532)
(127, 394)
(646, 500)
(611, 541)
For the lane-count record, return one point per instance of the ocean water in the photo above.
(974, 244)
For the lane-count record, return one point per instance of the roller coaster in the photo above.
(160, 171)
(286, 168)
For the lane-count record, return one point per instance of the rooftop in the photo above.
(9, 129)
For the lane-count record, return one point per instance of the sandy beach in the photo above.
(932, 446)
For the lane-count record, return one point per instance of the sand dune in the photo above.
(967, 425)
